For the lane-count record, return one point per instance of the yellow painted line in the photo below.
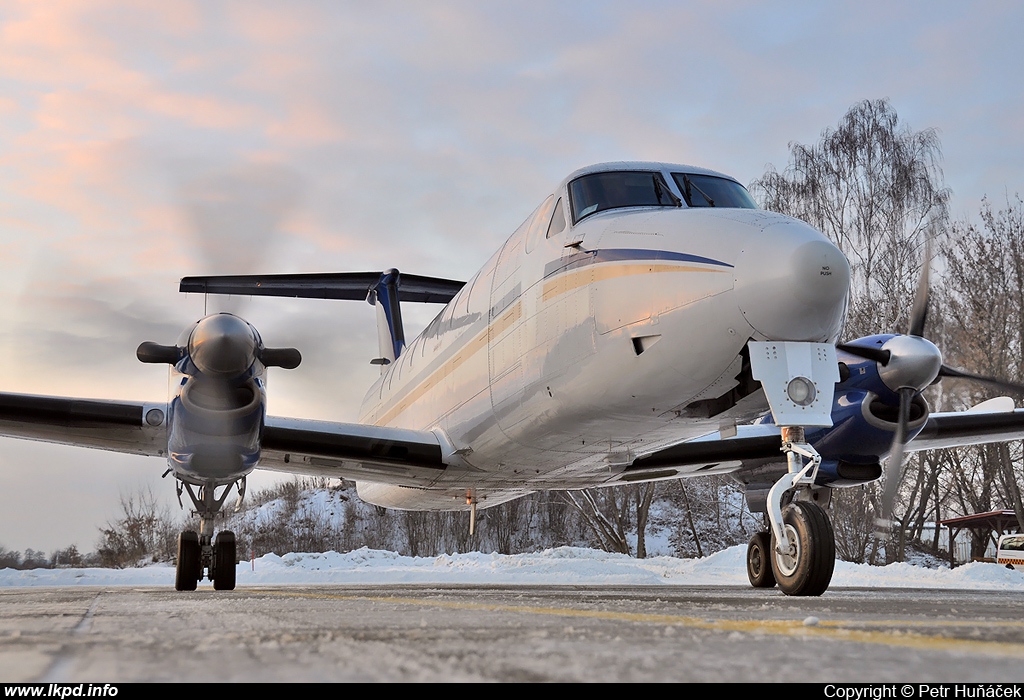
(840, 631)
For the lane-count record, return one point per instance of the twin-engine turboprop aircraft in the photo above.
(646, 322)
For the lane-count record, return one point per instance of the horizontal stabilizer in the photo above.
(324, 285)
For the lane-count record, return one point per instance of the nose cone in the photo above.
(222, 346)
(792, 283)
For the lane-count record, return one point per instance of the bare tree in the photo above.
(606, 513)
(144, 531)
(984, 296)
(689, 516)
(875, 187)
(643, 495)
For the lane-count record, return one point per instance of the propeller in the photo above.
(908, 364)
(222, 347)
(232, 216)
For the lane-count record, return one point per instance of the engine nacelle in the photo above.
(215, 427)
(217, 413)
(864, 414)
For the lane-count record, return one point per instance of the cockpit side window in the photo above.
(538, 223)
(616, 189)
(557, 220)
(712, 191)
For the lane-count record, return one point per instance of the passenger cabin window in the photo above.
(617, 189)
(712, 191)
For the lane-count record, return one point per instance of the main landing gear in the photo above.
(799, 553)
(200, 551)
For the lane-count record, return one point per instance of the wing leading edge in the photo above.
(960, 428)
(352, 451)
(416, 458)
(116, 426)
(314, 448)
(756, 444)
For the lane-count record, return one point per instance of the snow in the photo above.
(558, 566)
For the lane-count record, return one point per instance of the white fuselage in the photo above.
(570, 354)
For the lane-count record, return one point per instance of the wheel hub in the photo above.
(788, 559)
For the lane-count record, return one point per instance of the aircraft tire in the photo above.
(807, 571)
(188, 568)
(224, 561)
(759, 561)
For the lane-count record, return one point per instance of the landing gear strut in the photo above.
(200, 551)
(799, 553)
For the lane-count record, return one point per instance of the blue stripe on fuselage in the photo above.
(593, 257)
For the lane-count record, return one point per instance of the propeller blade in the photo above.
(880, 356)
(288, 358)
(1001, 384)
(894, 465)
(156, 353)
(919, 314)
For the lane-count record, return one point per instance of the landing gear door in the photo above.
(799, 380)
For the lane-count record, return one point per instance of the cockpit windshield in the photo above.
(616, 189)
(711, 191)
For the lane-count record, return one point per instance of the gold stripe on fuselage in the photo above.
(598, 273)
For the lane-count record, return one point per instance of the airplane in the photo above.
(646, 322)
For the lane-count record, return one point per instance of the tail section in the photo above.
(390, 331)
(385, 290)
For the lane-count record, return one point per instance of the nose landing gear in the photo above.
(799, 382)
(200, 551)
(805, 567)
(799, 554)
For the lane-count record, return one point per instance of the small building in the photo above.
(999, 522)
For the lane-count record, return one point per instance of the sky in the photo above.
(144, 141)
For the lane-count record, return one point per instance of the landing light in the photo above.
(801, 391)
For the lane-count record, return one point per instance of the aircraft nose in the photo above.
(792, 283)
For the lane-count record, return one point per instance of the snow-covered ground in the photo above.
(563, 565)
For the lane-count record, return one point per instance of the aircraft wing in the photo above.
(314, 448)
(116, 426)
(352, 451)
(960, 428)
(754, 445)
(758, 443)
